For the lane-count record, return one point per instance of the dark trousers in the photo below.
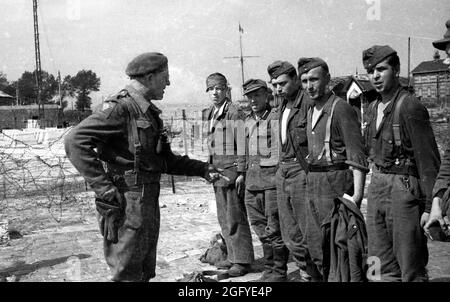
(323, 188)
(232, 217)
(262, 212)
(133, 257)
(393, 225)
(291, 197)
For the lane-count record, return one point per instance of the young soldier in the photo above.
(224, 122)
(260, 186)
(291, 174)
(406, 161)
(337, 164)
(127, 135)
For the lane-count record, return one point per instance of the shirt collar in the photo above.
(220, 110)
(137, 92)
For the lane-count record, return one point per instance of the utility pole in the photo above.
(409, 60)
(241, 57)
(59, 89)
(38, 64)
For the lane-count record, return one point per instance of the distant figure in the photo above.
(224, 120)
(406, 161)
(128, 137)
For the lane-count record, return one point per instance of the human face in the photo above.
(218, 94)
(157, 83)
(384, 78)
(315, 83)
(258, 99)
(285, 86)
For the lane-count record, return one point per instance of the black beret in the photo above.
(442, 43)
(253, 84)
(215, 79)
(306, 64)
(278, 68)
(146, 63)
(374, 55)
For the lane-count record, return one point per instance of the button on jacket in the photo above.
(226, 140)
(262, 150)
(108, 132)
(418, 145)
(296, 145)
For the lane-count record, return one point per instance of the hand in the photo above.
(213, 174)
(435, 215)
(240, 185)
(110, 206)
(356, 199)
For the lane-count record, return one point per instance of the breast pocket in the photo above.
(298, 133)
(147, 134)
(387, 146)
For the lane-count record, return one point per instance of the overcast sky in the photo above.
(196, 35)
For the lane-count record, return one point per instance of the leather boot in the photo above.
(268, 261)
(280, 260)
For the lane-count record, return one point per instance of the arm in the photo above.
(424, 146)
(95, 131)
(443, 178)
(359, 178)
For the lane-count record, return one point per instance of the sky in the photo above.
(197, 35)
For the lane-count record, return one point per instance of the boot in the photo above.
(280, 260)
(268, 261)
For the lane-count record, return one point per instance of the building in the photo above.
(6, 99)
(16, 117)
(432, 81)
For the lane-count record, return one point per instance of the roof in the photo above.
(431, 66)
(5, 95)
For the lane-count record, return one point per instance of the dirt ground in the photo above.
(43, 249)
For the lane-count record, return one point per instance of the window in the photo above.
(419, 92)
(429, 92)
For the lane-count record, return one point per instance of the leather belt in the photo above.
(336, 167)
(399, 170)
(288, 161)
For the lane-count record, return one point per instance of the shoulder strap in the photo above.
(327, 145)
(396, 120)
(133, 110)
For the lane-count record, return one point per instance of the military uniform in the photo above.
(134, 164)
(329, 174)
(223, 146)
(401, 188)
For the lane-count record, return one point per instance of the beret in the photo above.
(375, 54)
(215, 79)
(145, 63)
(278, 68)
(306, 64)
(442, 43)
(253, 84)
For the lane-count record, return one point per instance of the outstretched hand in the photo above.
(213, 174)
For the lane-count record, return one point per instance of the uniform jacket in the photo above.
(262, 150)
(344, 243)
(418, 146)
(346, 142)
(226, 141)
(442, 185)
(296, 145)
(106, 136)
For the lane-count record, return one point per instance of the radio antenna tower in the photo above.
(38, 64)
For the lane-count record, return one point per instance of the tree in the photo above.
(6, 86)
(82, 84)
(28, 88)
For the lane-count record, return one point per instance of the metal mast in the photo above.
(241, 57)
(38, 63)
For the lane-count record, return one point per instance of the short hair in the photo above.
(394, 61)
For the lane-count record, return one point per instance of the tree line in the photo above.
(78, 86)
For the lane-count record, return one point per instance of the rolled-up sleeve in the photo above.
(347, 121)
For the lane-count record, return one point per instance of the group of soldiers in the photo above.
(300, 160)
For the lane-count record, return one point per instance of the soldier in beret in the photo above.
(260, 185)
(291, 174)
(121, 152)
(224, 122)
(440, 209)
(405, 164)
(337, 163)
